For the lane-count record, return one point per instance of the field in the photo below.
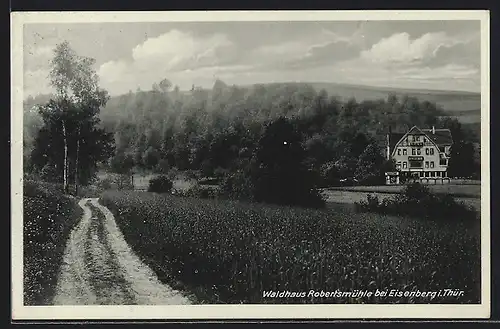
(230, 252)
(48, 219)
(468, 192)
(455, 189)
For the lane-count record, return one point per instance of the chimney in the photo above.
(389, 144)
(433, 130)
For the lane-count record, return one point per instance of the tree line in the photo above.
(231, 132)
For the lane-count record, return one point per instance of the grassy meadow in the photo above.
(230, 252)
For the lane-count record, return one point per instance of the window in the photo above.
(412, 151)
(418, 151)
(399, 151)
(404, 152)
(432, 151)
(405, 164)
(426, 164)
(426, 151)
(432, 164)
(438, 174)
(417, 138)
(442, 162)
(416, 164)
(398, 165)
(433, 174)
(426, 174)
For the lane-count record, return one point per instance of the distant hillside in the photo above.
(465, 106)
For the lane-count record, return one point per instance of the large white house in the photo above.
(420, 152)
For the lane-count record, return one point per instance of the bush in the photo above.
(418, 201)
(50, 174)
(163, 166)
(330, 175)
(160, 184)
(48, 218)
(173, 173)
(196, 191)
(237, 186)
(207, 168)
(123, 182)
(105, 183)
(220, 173)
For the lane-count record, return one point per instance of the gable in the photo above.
(413, 131)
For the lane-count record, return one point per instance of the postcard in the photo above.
(250, 165)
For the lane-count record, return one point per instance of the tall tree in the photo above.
(70, 118)
(280, 175)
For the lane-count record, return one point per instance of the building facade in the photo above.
(422, 153)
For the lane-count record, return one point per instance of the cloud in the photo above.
(36, 58)
(166, 56)
(323, 48)
(357, 56)
(35, 82)
(432, 49)
(326, 54)
(399, 48)
(176, 50)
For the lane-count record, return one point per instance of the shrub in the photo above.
(123, 182)
(173, 173)
(330, 175)
(418, 201)
(105, 183)
(160, 184)
(48, 218)
(49, 173)
(220, 172)
(237, 186)
(196, 191)
(163, 166)
(207, 168)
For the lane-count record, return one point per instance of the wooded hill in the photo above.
(215, 129)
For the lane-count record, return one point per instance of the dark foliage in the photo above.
(279, 174)
(160, 184)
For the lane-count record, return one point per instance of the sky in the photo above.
(443, 55)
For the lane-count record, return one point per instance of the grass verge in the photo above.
(49, 216)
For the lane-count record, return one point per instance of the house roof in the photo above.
(440, 137)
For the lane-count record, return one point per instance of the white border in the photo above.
(20, 312)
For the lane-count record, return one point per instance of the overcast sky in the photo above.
(410, 54)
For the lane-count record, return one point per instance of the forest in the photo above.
(217, 130)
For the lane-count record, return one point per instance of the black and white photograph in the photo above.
(250, 165)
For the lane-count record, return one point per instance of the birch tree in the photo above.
(71, 115)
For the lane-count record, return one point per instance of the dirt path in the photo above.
(100, 268)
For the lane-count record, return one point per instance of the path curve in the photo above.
(100, 268)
